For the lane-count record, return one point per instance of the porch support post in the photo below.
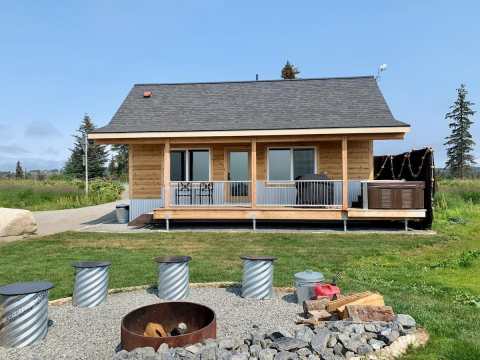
(344, 173)
(253, 162)
(166, 174)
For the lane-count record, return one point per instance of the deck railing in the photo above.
(210, 193)
(301, 193)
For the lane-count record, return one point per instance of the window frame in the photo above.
(291, 149)
(187, 163)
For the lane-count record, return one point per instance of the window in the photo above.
(289, 163)
(189, 165)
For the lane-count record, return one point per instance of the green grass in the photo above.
(54, 194)
(435, 278)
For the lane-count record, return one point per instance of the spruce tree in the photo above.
(289, 72)
(97, 154)
(19, 171)
(121, 160)
(460, 142)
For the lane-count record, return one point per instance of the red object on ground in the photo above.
(326, 290)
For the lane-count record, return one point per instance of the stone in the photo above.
(278, 334)
(389, 336)
(166, 355)
(353, 343)
(266, 354)
(304, 333)
(16, 222)
(337, 326)
(224, 354)
(371, 328)
(183, 354)
(354, 328)
(288, 343)
(256, 337)
(238, 341)
(143, 353)
(121, 355)
(209, 352)
(376, 344)
(194, 349)
(364, 349)
(266, 343)
(327, 354)
(162, 348)
(304, 353)
(255, 350)
(226, 343)
(405, 320)
(338, 349)
(343, 338)
(241, 356)
(332, 341)
(320, 340)
(349, 355)
(285, 355)
(244, 349)
(313, 357)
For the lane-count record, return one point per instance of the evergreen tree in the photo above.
(120, 160)
(19, 171)
(97, 154)
(460, 142)
(289, 72)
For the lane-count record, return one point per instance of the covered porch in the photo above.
(289, 178)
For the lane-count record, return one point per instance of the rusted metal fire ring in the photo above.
(198, 317)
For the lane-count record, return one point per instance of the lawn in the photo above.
(435, 278)
(55, 194)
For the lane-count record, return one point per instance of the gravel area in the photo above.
(92, 334)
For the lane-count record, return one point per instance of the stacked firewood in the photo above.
(359, 307)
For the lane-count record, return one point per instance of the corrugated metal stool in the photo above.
(257, 280)
(91, 283)
(173, 277)
(23, 313)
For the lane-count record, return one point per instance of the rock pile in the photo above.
(331, 340)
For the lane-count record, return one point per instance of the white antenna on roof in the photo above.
(380, 70)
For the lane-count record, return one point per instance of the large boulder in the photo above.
(14, 222)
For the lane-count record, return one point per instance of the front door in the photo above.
(238, 174)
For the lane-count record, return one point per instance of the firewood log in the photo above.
(369, 313)
(154, 330)
(319, 304)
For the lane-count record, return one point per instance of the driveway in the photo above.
(55, 221)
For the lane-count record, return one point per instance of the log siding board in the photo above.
(145, 170)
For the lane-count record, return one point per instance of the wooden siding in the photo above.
(329, 158)
(146, 176)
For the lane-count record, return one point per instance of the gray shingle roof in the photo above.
(254, 105)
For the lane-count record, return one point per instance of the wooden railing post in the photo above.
(166, 174)
(253, 162)
(344, 173)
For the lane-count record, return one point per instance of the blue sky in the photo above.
(59, 60)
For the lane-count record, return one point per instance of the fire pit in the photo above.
(200, 321)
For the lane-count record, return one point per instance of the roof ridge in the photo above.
(259, 81)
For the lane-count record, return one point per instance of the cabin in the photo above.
(260, 150)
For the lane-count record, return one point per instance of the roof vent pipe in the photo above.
(147, 94)
(256, 77)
